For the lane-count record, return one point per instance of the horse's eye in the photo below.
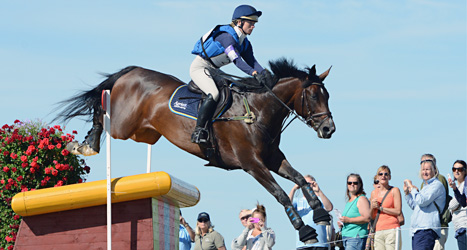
(314, 97)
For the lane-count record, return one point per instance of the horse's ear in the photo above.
(312, 71)
(324, 74)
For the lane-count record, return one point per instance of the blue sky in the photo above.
(397, 86)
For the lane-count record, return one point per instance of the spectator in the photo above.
(356, 215)
(457, 206)
(186, 234)
(439, 243)
(306, 212)
(244, 215)
(425, 221)
(387, 223)
(256, 235)
(206, 237)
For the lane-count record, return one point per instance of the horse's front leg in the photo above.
(320, 215)
(306, 233)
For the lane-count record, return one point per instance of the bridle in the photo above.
(310, 116)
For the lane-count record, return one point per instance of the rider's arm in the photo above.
(227, 40)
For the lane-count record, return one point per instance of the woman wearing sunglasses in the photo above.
(457, 206)
(206, 237)
(385, 212)
(356, 215)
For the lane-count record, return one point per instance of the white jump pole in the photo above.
(148, 167)
(106, 106)
(398, 233)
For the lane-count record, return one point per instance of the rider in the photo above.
(220, 46)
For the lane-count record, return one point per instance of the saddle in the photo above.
(225, 96)
(186, 99)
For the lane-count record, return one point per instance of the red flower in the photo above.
(32, 170)
(13, 169)
(2, 181)
(24, 164)
(47, 170)
(75, 132)
(6, 169)
(17, 121)
(59, 183)
(16, 217)
(24, 158)
(87, 169)
(54, 172)
(80, 180)
(51, 147)
(65, 152)
(14, 156)
(59, 145)
(20, 178)
(34, 164)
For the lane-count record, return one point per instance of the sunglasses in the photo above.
(203, 220)
(457, 169)
(352, 182)
(245, 217)
(381, 174)
(376, 182)
(427, 160)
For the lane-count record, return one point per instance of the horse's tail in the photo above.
(84, 103)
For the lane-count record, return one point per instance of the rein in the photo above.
(310, 115)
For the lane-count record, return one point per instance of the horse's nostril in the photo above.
(326, 129)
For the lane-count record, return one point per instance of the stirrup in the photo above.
(200, 135)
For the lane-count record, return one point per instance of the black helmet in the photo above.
(246, 12)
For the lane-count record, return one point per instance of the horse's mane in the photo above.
(284, 67)
(281, 68)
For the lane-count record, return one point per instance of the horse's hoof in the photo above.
(307, 234)
(321, 216)
(73, 147)
(86, 150)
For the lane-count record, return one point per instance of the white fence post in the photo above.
(106, 106)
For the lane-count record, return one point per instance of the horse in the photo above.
(140, 111)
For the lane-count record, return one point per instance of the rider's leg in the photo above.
(206, 111)
(200, 75)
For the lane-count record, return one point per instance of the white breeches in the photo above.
(200, 75)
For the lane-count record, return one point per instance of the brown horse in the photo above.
(139, 106)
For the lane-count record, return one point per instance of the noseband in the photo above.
(310, 116)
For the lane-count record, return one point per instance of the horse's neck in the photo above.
(286, 90)
(275, 111)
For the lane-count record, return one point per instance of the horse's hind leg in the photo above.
(91, 143)
(320, 215)
(306, 233)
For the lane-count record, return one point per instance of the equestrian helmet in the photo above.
(246, 12)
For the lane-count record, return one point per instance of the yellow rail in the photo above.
(135, 187)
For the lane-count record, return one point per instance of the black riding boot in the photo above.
(206, 111)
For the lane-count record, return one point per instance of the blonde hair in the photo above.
(198, 230)
(383, 167)
(434, 169)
